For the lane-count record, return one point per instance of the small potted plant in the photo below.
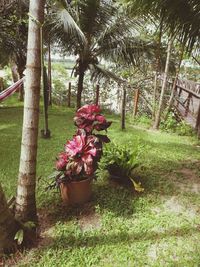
(76, 165)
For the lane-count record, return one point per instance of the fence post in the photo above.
(69, 96)
(97, 95)
(123, 115)
(136, 99)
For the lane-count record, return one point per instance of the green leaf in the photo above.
(53, 175)
(19, 236)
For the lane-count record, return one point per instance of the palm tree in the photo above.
(103, 32)
(158, 114)
(25, 201)
(180, 17)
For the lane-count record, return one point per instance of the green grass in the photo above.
(160, 227)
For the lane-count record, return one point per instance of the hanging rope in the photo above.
(11, 89)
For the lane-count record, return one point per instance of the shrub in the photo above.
(120, 162)
(176, 125)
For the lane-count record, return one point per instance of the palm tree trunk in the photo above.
(25, 201)
(80, 87)
(157, 69)
(8, 225)
(175, 81)
(158, 115)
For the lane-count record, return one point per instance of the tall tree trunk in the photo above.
(158, 115)
(8, 225)
(171, 99)
(14, 72)
(25, 201)
(123, 116)
(158, 67)
(80, 87)
(49, 72)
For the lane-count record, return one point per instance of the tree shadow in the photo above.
(93, 239)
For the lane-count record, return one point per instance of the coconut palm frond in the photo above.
(131, 51)
(180, 17)
(98, 73)
(63, 24)
(95, 15)
(121, 26)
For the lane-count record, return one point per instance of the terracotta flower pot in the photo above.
(76, 192)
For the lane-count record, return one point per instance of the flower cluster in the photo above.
(89, 118)
(81, 154)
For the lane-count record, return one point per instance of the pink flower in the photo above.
(88, 118)
(84, 151)
(75, 146)
(81, 151)
(62, 161)
(100, 118)
(89, 109)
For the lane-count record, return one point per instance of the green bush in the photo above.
(172, 125)
(120, 162)
(184, 129)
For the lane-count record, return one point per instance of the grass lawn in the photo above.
(160, 227)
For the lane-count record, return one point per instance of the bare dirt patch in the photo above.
(189, 180)
(89, 222)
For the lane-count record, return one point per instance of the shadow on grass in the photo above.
(98, 239)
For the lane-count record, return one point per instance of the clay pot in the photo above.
(76, 192)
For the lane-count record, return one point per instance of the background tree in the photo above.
(104, 33)
(13, 37)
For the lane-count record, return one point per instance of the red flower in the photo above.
(62, 161)
(89, 109)
(88, 118)
(81, 151)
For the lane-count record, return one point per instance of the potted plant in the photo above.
(76, 165)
